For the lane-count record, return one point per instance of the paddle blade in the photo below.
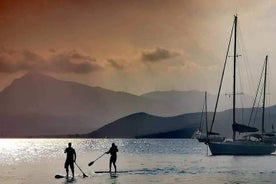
(59, 176)
(84, 175)
(91, 163)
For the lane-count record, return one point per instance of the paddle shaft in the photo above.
(91, 163)
(84, 175)
(99, 157)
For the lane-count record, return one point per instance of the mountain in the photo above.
(187, 132)
(142, 124)
(37, 104)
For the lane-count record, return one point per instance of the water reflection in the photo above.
(26, 150)
(144, 160)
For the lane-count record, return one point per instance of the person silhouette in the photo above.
(70, 159)
(113, 156)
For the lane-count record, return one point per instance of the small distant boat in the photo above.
(252, 144)
(203, 137)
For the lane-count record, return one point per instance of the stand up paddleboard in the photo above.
(112, 174)
(118, 172)
(68, 180)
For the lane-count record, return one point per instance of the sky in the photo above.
(136, 46)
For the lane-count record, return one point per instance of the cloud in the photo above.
(12, 61)
(6, 67)
(72, 62)
(52, 50)
(115, 64)
(157, 55)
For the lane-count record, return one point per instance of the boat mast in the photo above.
(206, 119)
(222, 76)
(263, 115)
(234, 77)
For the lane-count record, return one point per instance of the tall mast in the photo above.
(222, 76)
(206, 118)
(234, 77)
(263, 115)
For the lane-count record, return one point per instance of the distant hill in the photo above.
(179, 133)
(141, 124)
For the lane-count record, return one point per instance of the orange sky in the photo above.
(135, 46)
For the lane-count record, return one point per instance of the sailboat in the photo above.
(268, 137)
(251, 144)
(199, 134)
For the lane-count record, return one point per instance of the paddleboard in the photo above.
(113, 175)
(70, 180)
(102, 172)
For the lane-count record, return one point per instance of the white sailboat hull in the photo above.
(241, 148)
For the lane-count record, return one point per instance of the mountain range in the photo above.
(37, 104)
(142, 125)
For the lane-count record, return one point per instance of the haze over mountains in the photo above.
(38, 104)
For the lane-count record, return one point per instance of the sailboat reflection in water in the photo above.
(251, 144)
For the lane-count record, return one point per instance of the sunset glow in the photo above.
(132, 46)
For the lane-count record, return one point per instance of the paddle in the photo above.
(83, 174)
(91, 163)
(59, 176)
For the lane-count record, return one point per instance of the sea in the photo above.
(143, 161)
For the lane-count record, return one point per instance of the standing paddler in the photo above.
(70, 159)
(113, 156)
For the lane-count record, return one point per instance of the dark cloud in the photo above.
(72, 62)
(158, 54)
(6, 67)
(66, 66)
(13, 61)
(68, 62)
(115, 64)
(52, 50)
(76, 55)
(31, 57)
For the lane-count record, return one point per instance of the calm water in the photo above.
(31, 161)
